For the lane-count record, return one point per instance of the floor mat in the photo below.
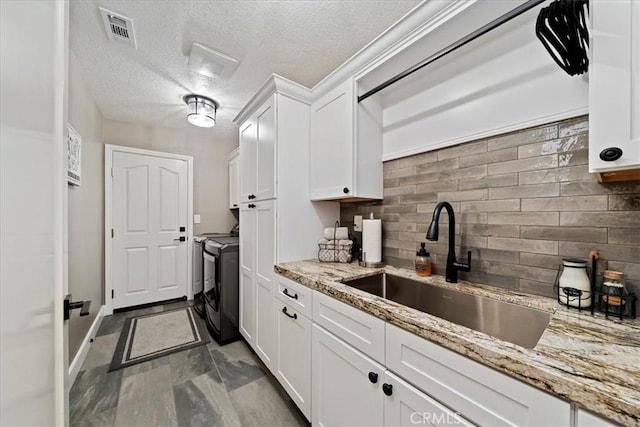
(155, 335)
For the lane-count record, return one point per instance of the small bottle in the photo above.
(423, 261)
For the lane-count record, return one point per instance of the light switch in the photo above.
(357, 223)
(196, 219)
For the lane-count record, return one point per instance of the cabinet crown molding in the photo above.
(274, 84)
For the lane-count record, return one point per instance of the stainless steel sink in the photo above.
(509, 322)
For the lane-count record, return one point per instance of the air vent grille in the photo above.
(119, 28)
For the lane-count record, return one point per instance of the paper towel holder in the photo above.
(364, 263)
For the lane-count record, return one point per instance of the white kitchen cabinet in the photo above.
(346, 146)
(587, 419)
(346, 384)
(279, 223)
(234, 179)
(362, 330)
(247, 274)
(298, 296)
(265, 343)
(477, 392)
(614, 86)
(405, 405)
(248, 159)
(294, 355)
(257, 145)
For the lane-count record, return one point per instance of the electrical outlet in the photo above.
(357, 223)
(196, 219)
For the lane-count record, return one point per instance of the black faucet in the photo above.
(453, 265)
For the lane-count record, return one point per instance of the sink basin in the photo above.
(509, 322)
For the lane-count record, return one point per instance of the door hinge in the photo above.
(112, 233)
(112, 293)
(112, 172)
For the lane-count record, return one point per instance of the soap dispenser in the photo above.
(423, 261)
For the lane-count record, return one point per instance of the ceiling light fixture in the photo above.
(202, 110)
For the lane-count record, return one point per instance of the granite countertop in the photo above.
(589, 360)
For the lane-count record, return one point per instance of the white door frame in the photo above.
(109, 149)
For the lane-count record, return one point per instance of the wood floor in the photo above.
(209, 385)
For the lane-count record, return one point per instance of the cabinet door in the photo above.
(234, 183)
(264, 244)
(294, 355)
(247, 272)
(614, 84)
(248, 160)
(266, 156)
(331, 150)
(408, 406)
(342, 392)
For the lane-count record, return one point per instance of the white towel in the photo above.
(339, 233)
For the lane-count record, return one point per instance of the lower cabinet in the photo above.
(346, 384)
(293, 362)
(350, 389)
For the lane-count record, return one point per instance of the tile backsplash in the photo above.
(523, 201)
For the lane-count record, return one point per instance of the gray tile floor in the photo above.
(209, 385)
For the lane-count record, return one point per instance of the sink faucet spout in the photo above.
(453, 266)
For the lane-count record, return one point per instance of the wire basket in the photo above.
(333, 252)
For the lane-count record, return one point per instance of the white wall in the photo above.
(211, 176)
(85, 209)
(501, 82)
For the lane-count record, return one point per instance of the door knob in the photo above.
(180, 239)
(373, 377)
(82, 305)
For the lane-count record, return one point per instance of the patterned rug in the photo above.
(155, 335)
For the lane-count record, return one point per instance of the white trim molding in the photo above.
(109, 149)
(81, 355)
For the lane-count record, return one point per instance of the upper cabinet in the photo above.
(257, 153)
(346, 146)
(234, 179)
(614, 86)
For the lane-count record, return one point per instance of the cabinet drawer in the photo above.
(481, 394)
(363, 331)
(294, 294)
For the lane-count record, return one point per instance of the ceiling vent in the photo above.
(119, 28)
(211, 63)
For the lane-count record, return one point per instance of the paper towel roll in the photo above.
(372, 240)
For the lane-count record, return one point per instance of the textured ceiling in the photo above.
(300, 40)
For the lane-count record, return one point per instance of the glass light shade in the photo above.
(202, 111)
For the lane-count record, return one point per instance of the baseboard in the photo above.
(74, 367)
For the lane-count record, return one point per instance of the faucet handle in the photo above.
(461, 266)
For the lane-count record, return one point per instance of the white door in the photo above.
(33, 345)
(266, 154)
(331, 148)
(247, 272)
(346, 384)
(149, 217)
(294, 355)
(265, 259)
(248, 161)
